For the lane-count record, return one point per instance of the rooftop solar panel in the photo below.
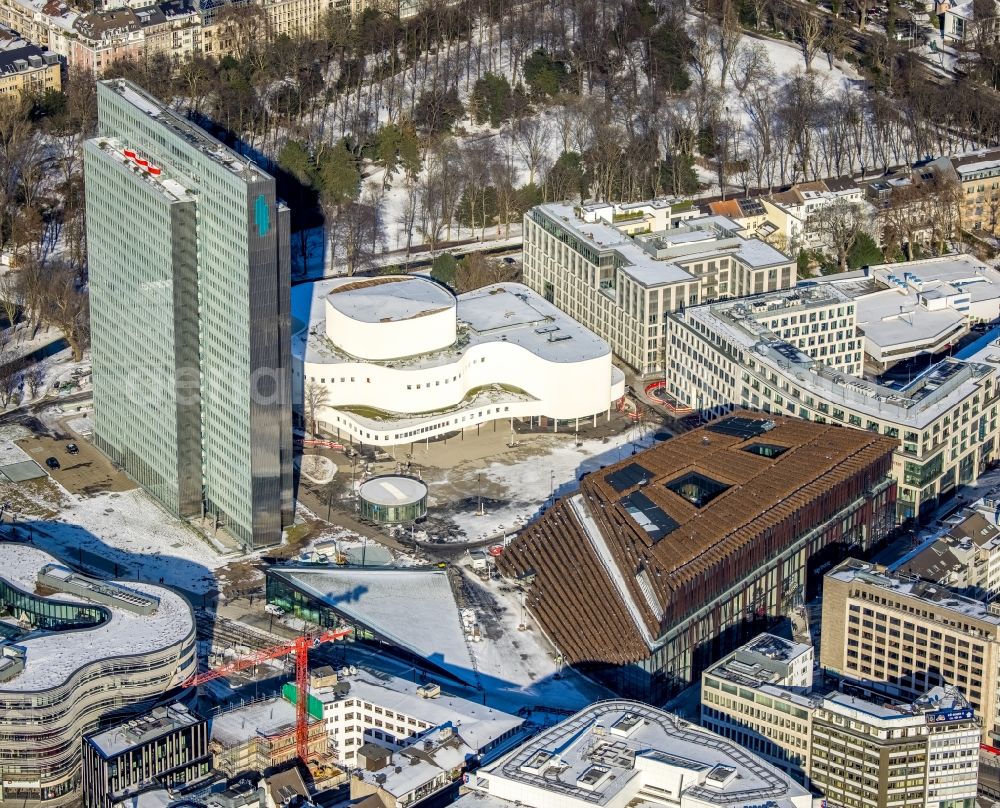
(741, 427)
(628, 477)
(648, 515)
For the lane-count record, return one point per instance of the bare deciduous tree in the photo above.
(34, 377)
(10, 382)
(837, 225)
(67, 307)
(356, 229)
(812, 31)
(316, 396)
(532, 137)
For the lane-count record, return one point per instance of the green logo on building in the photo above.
(262, 216)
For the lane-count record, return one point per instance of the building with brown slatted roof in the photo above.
(662, 563)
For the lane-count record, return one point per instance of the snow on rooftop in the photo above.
(477, 724)
(413, 609)
(503, 312)
(53, 658)
(932, 593)
(891, 318)
(117, 739)
(392, 490)
(932, 393)
(608, 752)
(269, 717)
(380, 300)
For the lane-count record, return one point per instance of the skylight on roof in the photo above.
(696, 488)
(765, 449)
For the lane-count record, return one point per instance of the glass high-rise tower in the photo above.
(189, 293)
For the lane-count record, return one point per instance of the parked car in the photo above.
(52, 463)
(72, 448)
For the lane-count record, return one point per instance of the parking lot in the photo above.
(87, 472)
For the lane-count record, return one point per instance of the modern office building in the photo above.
(760, 697)
(621, 269)
(879, 755)
(740, 354)
(189, 296)
(618, 753)
(167, 746)
(399, 359)
(873, 752)
(903, 637)
(664, 562)
(83, 651)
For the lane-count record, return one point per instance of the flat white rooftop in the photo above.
(414, 609)
(53, 658)
(931, 593)
(383, 300)
(891, 318)
(696, 239)
(160, 721)
(607, 753)
(917, 404)
(270, 717)
(501, 313)
(392, 490)
(477, 724)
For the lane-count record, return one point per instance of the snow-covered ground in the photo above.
(519, 669)
(527, 484)
(129, 529)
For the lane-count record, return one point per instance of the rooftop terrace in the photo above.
(51, 658)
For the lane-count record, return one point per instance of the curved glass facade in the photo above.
(47, 614)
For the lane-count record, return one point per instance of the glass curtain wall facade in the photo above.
(44, 613)
(392, 514)
(190, 293)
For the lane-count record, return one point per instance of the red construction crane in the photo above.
(300, 647)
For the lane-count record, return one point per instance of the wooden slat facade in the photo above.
(731, 540)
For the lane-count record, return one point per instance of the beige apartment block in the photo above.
(621, 269)
(857, 750)
(904, 636)
(28, 71)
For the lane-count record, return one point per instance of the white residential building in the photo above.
(400, 359)
(857, 750)
(360, 707)
(959, 19)
(791, 211)
(621, 269)
(621, 753)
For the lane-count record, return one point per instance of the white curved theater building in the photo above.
(402, 359)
